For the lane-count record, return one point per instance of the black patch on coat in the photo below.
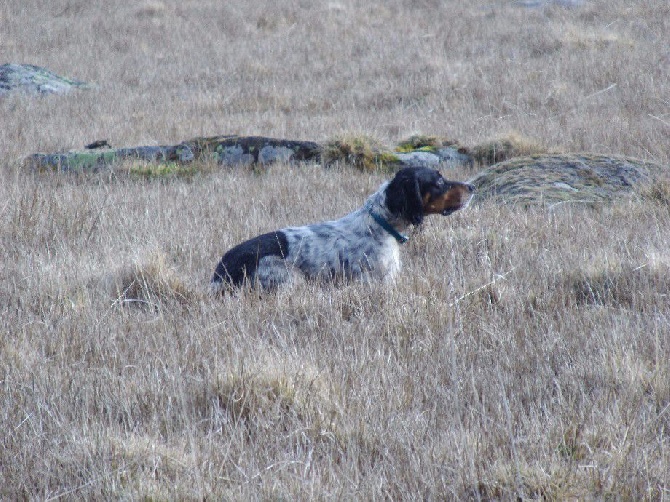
(323, 231)
(404, 195)
(241, 261)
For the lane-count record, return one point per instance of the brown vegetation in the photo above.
(523, 352)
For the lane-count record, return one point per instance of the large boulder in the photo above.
(559, 178)
(33, 79)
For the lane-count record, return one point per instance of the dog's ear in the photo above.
(403, 196)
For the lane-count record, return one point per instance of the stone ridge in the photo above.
(33, 79)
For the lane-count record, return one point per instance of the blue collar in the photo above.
(401, 238)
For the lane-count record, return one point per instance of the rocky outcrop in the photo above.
(94, 159)
(33, 79)
(250, 150)
(526, 179)
(224, 150)
(563, 177)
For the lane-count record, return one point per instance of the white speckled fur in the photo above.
(354, 246)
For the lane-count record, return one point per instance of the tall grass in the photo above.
(521, 353)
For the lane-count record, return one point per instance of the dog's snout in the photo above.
(471, 188)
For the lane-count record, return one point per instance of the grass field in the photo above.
(522, 353)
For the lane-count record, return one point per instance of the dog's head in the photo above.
(416, 192)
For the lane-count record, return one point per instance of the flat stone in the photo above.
(33, 79)
(418, 159)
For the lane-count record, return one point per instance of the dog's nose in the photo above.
(471, 188)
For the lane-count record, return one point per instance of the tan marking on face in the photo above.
(453, 199)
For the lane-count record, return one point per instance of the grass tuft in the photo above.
(657, 192)
(163, 171)
(644, 288)
(363, 152)
(151, 283)
(418, 142)
(506, 147)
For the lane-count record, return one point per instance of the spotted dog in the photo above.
(362, 244)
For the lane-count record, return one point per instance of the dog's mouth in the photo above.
(454, 199)
(448, 211)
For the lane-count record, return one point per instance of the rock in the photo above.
(454, 157)
(245, 150)
(446, 157)
(418, 159)
(368, 154)
(226, 150)
(361, 152)
(433, 151)
(94, 159)
(101, 143)
(34, 80)
(561, 178)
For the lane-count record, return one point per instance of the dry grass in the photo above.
(522, 353)
(505, 147)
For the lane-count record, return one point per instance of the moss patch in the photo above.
(419, 142)
(363, 152)
(559, 178)
(35, 79)
(425, 143)
(506, 147)
(169, 170)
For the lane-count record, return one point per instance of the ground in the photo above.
(523, 351)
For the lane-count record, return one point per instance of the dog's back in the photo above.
(242, 261)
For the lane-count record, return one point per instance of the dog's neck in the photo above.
(376, 204)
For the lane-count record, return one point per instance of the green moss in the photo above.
(163, 171)
(387, 161)
(421, 143)
(88, 160)
(363, 152)
(586, 178)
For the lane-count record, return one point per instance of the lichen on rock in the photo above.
(33, 79)
(246, 150)
(98, 158)
(587, 178)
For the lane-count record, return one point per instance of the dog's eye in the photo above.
(440, 182)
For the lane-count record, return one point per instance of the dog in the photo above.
(362, 245)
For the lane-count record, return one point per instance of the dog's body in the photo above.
(362, 244)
